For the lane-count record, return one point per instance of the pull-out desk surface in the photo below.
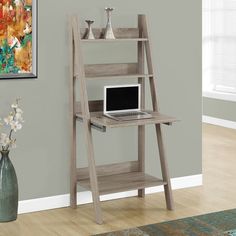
(101, 122)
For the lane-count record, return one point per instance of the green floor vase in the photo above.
(8, 189)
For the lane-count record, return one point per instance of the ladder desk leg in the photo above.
(73, 177)
(92, 172)
(164, 168)
(141, 129)
(141, 155)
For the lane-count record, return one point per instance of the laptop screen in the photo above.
(121, 98)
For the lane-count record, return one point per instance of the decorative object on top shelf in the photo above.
(89, 34)
(18, 39)
(108, 31)
(8, 179)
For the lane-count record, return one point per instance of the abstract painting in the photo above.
(18, 39)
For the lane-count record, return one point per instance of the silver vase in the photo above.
(108, 31)
(89, 34)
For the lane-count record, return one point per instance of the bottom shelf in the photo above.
(123, 182)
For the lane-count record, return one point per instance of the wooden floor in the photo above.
(218, 193)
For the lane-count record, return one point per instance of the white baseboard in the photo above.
(60, 201)
(219, 122)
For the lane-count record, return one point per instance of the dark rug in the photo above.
(216, 224)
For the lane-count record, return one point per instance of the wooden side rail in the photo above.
(112, 169)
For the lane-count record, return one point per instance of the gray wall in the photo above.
(42, 156)
(219, 109)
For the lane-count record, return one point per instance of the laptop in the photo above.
(123, 102)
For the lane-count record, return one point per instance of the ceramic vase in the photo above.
(8, 189)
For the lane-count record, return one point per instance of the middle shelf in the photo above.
(127, 76)
(114, 71)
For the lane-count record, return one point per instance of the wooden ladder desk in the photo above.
(117, 177)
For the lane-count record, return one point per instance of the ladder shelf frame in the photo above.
(97, 178)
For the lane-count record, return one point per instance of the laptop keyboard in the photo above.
(136, 113)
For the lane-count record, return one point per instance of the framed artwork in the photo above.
(18, 39)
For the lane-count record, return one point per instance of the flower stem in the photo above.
(10, 134)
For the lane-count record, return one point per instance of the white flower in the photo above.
(14, 120)
(8, 119)
(4, 140)
(15, 125)
(19, 117)
(18, 110)
(14, 105)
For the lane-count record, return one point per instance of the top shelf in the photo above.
(121, 35)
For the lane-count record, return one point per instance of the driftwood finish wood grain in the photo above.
(106, 170)
(116, 177)
(113, 69)
(72, 124)
(123, 182)
(101, 120)
(120, 33)
(121, 76)
(94, 106)
(141, 129)
(86, 123)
